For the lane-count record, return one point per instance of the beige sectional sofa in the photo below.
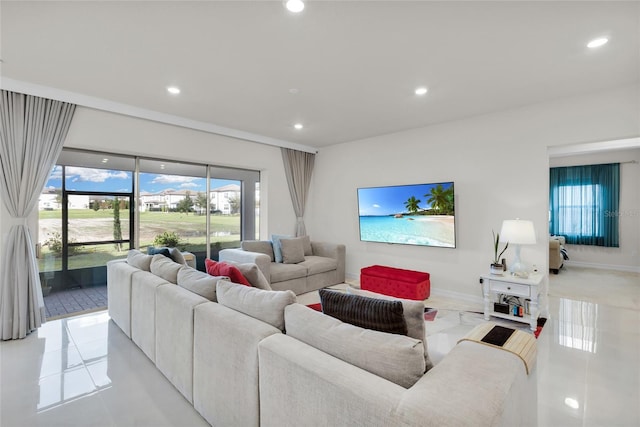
(227, 354)
(322, 265)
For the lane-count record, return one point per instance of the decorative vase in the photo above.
(497, 269)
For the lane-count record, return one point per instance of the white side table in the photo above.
(190, 259)
(528, 288)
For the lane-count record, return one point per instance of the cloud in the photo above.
(375, 205)
(56, 173)
(188, 185)
(172, 179)
(94, 175)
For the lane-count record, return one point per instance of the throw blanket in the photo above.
(563, 251)
(515, 341)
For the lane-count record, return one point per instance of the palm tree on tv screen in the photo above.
(412, 204)
(441, 200)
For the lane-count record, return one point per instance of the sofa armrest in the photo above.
(332, 250)
(301, 385)
(238, 255)
(555, 257)
(484, 384)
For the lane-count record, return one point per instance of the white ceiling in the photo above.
(355, 64)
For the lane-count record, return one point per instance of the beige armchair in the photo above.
(556, 260)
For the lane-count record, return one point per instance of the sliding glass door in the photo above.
(97, 206)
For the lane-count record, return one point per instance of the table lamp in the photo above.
(518, 232)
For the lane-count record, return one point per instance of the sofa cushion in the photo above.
(137, 259)
(164, 267)
(253, 274)
(292, 251)
(259, 246)
(199, 282)
(369, 313)
(277, 248)
(282, 272)
(413, 314)
(267, 306)
(397, 358)
(216, 268)
(319, 264)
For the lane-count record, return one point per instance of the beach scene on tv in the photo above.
(420, 214)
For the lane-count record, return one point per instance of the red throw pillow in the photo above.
(215, 268)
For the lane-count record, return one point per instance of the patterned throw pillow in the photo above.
(369, 313)
(216, 268)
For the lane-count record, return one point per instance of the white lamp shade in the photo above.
(518, 232)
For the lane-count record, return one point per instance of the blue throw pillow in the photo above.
(162, 251)
(277, 248)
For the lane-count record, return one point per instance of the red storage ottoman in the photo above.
(396, 282)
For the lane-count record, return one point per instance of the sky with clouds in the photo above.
(86, 179)
(391, 200)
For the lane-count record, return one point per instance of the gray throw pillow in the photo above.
(267, 306)
(306, 243)
(137, 259)
(173, 253)
(369, 313)
(259, 246)
(199, 282)
(165, 268)
(292, 251)
(177, 256)
(413, 313)
(397, 358)
(277, 248)
(253, 274)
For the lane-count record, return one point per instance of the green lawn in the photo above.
(89, 225)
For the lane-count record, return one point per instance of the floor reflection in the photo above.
(76, 366)
(577, 321)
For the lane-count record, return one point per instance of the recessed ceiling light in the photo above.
(162, 166)
(597, 42)
(173, 90)
(105, 160)
(421, 90)
(298, 126)
(571, 403)
(295, 6)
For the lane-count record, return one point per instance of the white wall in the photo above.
(114, 133)
(627, 256)
(500, 167)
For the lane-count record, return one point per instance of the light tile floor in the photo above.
(83, 371)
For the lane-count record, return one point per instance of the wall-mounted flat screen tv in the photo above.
(418, 214)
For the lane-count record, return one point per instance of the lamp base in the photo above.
(518, 268)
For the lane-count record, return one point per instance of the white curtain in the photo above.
(32, 132)
(298, 167)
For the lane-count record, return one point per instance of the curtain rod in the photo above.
(629, 161)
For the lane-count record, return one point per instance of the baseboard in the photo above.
(627, 268)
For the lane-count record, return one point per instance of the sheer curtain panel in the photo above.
(32, 132)
(298, 167)
(584, 204)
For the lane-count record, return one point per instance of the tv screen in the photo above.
(418, 214)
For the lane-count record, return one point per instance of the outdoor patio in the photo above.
(68, 302)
